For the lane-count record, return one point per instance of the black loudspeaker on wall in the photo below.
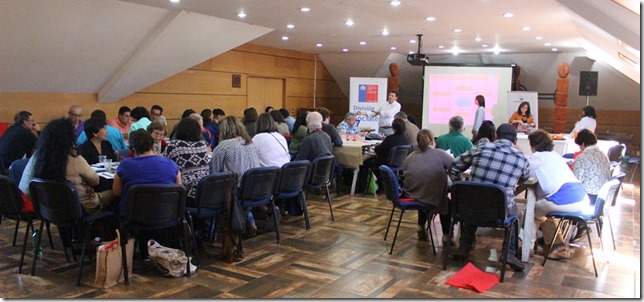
(588, 83)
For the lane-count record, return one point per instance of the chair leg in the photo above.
(601, 241)
(85, 241)
(328, 199)
(24, 245)
(305, 211)
(612, 235)
(449, 242)
(33, 265)
(191, 225)
(212, 232)
(277, 223)
(390, 218)
(552, 243)
(396, 234)
(51, 242)
(506, 248)
(429, 229)
(590, 245)
(15, 232)
(190, 241)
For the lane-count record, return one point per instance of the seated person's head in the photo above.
(157, 130)
(198, 118)
(425, 139)
(486, 130)
(506, 131)
(250, 115)
(314, 120)
(585, 138)
(266, 123)
(401, 115)
(398, 125)
(540, 141)
(350, 118)
(189, 130)
(141, 141)
(277, 116)
(139, 112)
(93, 126)
(231, 127)
(284, 112)
(456, 123)
(326, 115)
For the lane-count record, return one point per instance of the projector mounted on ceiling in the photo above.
(418, 59)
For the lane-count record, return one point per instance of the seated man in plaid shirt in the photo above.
(497, 162)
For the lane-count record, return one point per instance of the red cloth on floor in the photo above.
(471, 277)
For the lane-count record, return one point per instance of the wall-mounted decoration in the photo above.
(236, 80)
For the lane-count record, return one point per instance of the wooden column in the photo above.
(561, 98)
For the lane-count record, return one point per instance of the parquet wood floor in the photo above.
(347, 258)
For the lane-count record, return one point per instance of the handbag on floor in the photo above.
(109, 265)
(237, 217)
(169, 262)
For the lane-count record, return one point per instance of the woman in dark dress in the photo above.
(97, 144)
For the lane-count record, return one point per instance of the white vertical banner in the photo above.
(366, 94)
(515, 98)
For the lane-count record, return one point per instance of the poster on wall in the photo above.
(515, 98)
(364, 95)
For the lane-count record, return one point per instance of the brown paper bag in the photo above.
(109, 269)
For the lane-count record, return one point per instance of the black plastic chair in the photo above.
(615, 156)
(17, 168)
(58, 203)
(293, 177)
(11, 204)
(484, 205)
(586, 216)
(257, 189)
(611, 201)
(392, 190)
(213, 192)
(158, 206)
(396, 157)
(321, 170)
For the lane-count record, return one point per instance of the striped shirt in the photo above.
(232, 155)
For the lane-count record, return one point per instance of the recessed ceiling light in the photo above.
(412, 41)
(526, 28)
(305, 9)
(457, 30)
(508, 15)
(554, 49)
(345, 49)
(385, 32)
(349, 22)
(539, 38)
(430, 19)
(392, 48)
(241, 15)
(290, 26)
(484, 46)
(284, 38)
(411, 52)
(455, 50)
(394, 3)
(363, 43)
(318, 45)
(478, 39)
(175, 1)
(546, 44)
(441, 46)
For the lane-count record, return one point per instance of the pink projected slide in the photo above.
(453, 94)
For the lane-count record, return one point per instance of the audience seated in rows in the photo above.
(272, 147)
(398, 138)
(280, 125)
(114, 136)
(317, 142)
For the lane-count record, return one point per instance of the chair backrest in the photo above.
(214, 190)
(293, 176)
(616, 153)
(606, 192)
(620, 177)
(479, 203)
(17, 168)
(56, 202)
(10, 199)
(390, 181)
(155, 206)
(321, 170)
(397, 155)
(258, 184)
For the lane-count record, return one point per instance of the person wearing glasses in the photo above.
(76, 117)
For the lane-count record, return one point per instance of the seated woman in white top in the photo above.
(559, 189)
(273, 150)
(587, 121)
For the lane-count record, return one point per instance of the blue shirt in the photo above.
(153, 169)
(290, 121)
(114, 136)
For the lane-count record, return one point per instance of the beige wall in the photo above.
(206, 85)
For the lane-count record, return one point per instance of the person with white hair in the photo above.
(348, 125)
(205, 134)
(317, 143)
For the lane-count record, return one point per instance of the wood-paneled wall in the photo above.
(206, 85)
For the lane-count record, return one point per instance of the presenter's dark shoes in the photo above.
(581, 234)
(515, 263)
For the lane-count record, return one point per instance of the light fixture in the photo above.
(496, 49)
(508, 15)
(175, 1)
(455, 51)
(526, 28)
(412, 41)
(539, 38)
(392, 48)
(284, 38)
(554, 49)
(345, 49)
(546, 44)
(441, 46)
(363, 43)
(430, 18)
(411, 52)
(305, 9)
(385, 32)
(241, 15)
(318, 45)
(349, 22)
(290, 26)
(485, 46)
(457, 30)
(394, 3)
(478, 39)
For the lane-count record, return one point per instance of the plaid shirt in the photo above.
(495, 162)
(344, 127)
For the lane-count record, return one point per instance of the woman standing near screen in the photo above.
(480, 114)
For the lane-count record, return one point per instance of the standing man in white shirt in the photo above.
(386, 112)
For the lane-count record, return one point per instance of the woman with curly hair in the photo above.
(57, 159)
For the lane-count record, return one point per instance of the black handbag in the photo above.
(237, 218)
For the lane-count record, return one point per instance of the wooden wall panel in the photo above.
(296, 87)
(199, 82)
